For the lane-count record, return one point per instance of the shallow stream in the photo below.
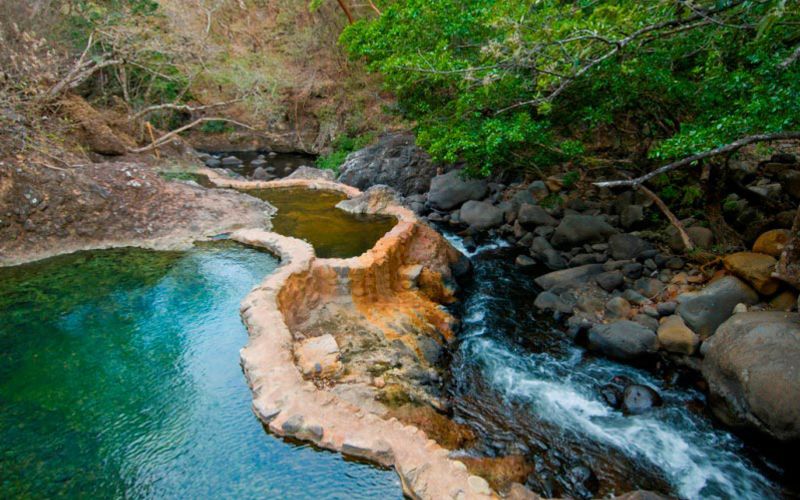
(529, 390)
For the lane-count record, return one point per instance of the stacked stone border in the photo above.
(293, 407)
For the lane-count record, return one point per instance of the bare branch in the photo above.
(166, 137)
(182, 107)
(687, 242)
(791, 59)
(728, 148)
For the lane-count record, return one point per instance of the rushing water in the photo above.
(528, 389)
(120, 377)
(312, 215)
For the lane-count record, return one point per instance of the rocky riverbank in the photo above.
(626, 290)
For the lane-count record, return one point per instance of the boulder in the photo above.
(532, 216)
(480, 215)
(449, 191)
(311, 173)
(790, 181)
(568, 276)
(754, 268)
(772, 242)
(618, 307)
(538, 189)
(701, 237)
(576, 230)
(784, 301)
(319, 356)
(705, 310)
(637, 399)
(231, 161)
(395, 161)
(525, 262)
(751, 365)
(675, 336)
(627, 246)
(610, 280)
(261, 174)
(623, 340)
(631, 216)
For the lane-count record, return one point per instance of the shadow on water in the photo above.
(120, 377)
(529, 390)
(312, 215)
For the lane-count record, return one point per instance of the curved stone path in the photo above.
(292, 406)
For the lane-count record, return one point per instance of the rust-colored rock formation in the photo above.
(382, 306)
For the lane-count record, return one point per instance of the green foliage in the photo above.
(216, 127)
(498, 83)
(343, 146)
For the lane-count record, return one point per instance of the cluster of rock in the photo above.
(763, 185)
(621, 288)
(262, 170)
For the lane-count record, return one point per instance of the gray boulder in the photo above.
(449, 190)
(231, 161)
(753, 373)
(531, 216)
(568, 276)
(623, 340)
(705, 310)
(306, 172)
(576, 230)
(627, 246)
(480, 215)
(261, 174)
(394, 161)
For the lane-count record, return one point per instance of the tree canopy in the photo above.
(498, 83)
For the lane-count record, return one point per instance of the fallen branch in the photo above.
(728, 148)
(791, 59)
(166, 137)
(687, 242)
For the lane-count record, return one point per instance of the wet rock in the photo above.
(578, 229)
(538, 189)
(675, 336)
(306, 172)
(635, 297)
(449, 190)
(611, 395)
(231, 161)
(649, 287)
(213, 163)
(618, 307)
(631, 216)
(575, 275)
(319, 356)
(258, 162)
(261, 174)
(610, 280)
(547, 301)
(480, 215)
(531, 216)
(674, 263)
(627, 246)
(754, 268)
(524, 261)
(395, 161)
(637, 399)
(772, 242)
(584, 481)
(292, 425)
(701, 237)
(751, 365)
(646, 321)
(632, 270)
(666, 308)
(784, 301)
(705, 310)
(430, 349)
(623, 340)
(790, 181)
